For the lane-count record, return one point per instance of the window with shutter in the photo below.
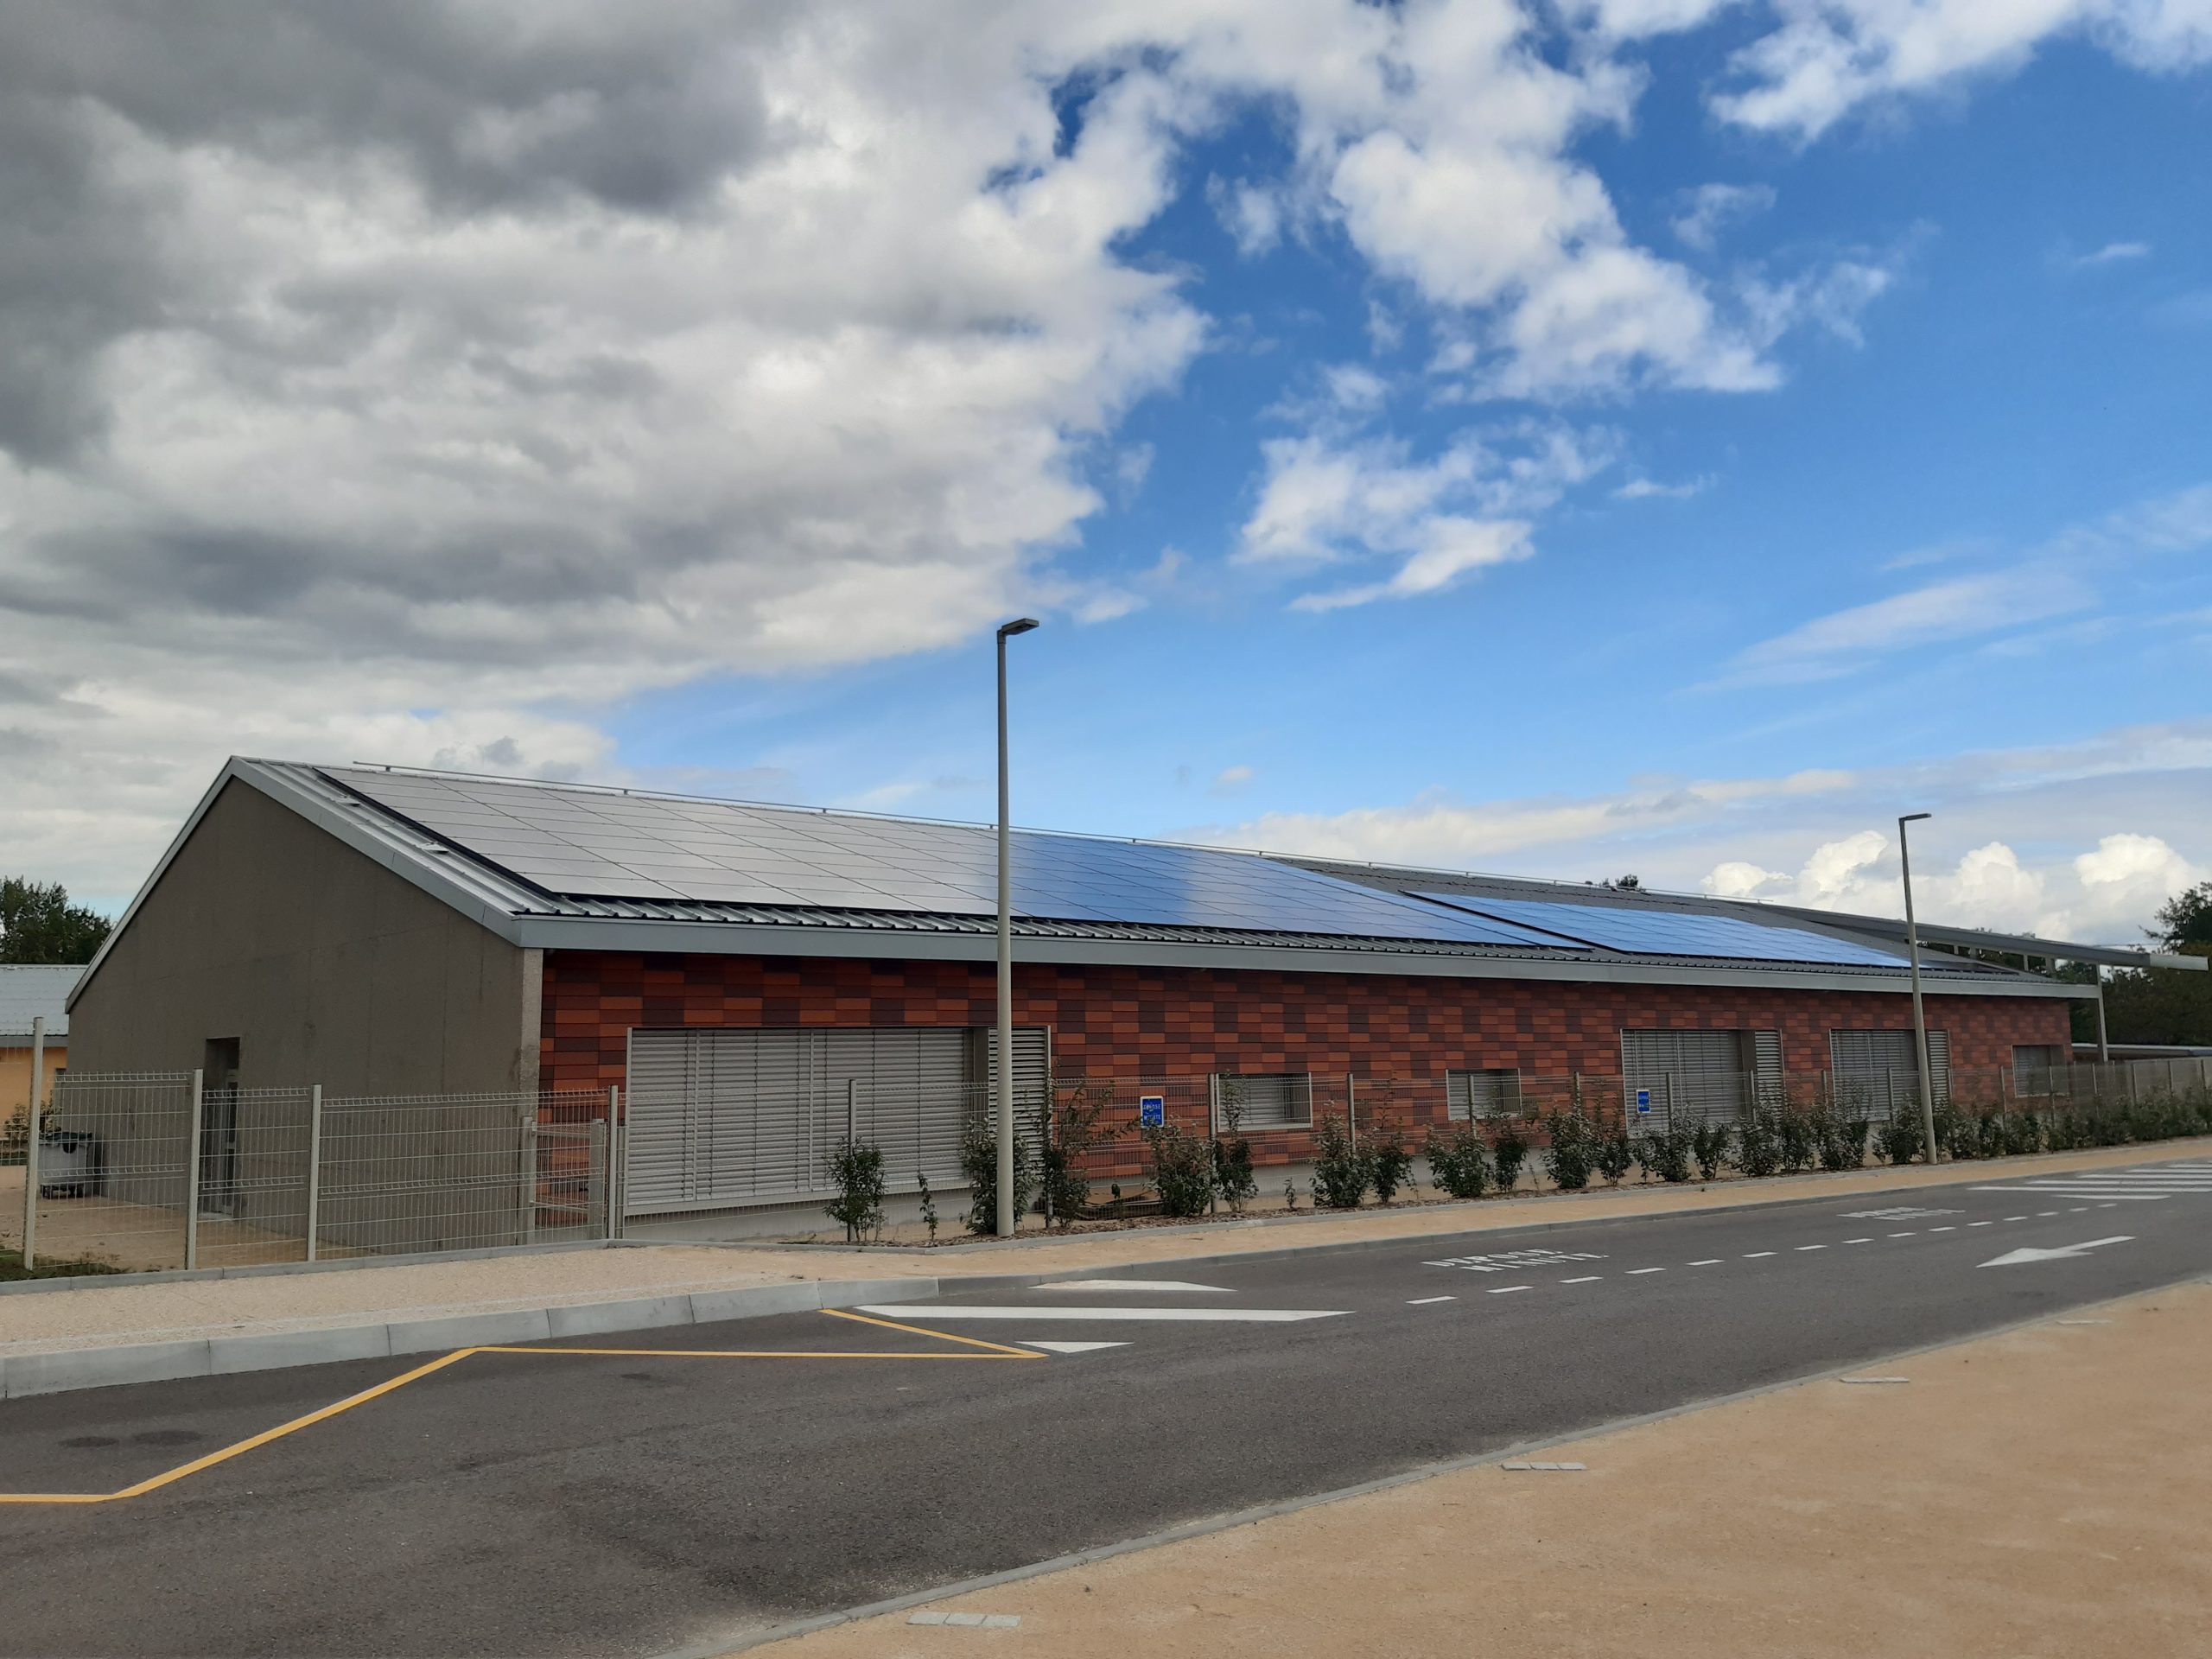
(2035, 1067)
(1696, 1075)
(1480, 1094)
(1269, 1100)
(1876, 1072)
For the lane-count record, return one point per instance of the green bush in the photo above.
(1795, 1140)
(857, 1170)
(2023, 1133)
(929, 1205)
(1074, 1130)
(1508, 1150)
(1572, 1153)
(1233, 1177)
(1615, 1154)
(1710, 1142)
(1898, 1139)
(1340, 1172)
(1459, 1162)
(1390, 1165)
(1667, 1154)
(1759, 1144)
(979, 1162)
(1182, 1170)
(1840, 1138)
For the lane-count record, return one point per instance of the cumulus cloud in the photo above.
(1710, 208)
(1829, 58)
(2113, 253)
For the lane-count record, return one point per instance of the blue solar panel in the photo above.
(1674, 932)
(599, 844)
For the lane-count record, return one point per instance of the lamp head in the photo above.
(1914, 817)
(1019, 625)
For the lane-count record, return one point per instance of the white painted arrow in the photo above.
(2013, 1258)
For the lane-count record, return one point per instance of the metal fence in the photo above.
(155, 1172)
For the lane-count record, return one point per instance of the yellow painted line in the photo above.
(942, 1336)
(993, 1350)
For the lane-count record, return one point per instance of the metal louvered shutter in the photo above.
(1479, 1094)
(1698, 1074)
(1878, 1072)
(721, 1119)
(1767, 1085)
(1279, 1100)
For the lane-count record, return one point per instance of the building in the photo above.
(753, 978)
(29, 993)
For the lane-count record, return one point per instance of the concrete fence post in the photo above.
(314, 1167)
(530, 1176)
(192, 1175)
(613, 1154)
(30, 1142)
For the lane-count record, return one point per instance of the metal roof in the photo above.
(26, 992)
(572, 867)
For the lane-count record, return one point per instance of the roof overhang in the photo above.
(1976, 938)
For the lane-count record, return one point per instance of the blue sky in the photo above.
(1666, 435)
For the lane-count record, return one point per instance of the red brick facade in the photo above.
(1173, 1022)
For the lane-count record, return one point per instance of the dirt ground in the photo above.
(2045, 1492)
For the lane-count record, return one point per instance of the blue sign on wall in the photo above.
(1152, 1111)
(1644, 1102)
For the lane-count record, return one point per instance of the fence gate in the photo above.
(725, 1119)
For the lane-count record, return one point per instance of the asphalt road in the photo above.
(581, 1503)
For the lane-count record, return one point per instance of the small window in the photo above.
(1479, 1094)
(1266, 1100)
(2033, 1066)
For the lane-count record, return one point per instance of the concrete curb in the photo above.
(54, 1371)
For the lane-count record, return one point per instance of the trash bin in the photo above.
(68, 1164)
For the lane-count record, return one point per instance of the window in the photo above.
(2033, 1064)
(1699, 1074)
(1267, 1100)
(1478, 1094)
(1878, 1070)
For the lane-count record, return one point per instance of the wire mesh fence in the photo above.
(160, 1171)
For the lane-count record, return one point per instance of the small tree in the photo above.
(1509, 1145)
(929, 1205)
(1182, 1170)
(38, 924)
(1390, 1165)
(1572, 1153)
(1615, 1153)
(1075, 1131)
(979, 1162)
(857, 1171)
(1710, 1143)
(1233, 1178)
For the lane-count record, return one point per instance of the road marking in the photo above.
(1901, 1235)
(1632, 1272)
(2010, 1218)
(1071, 1347)
(2079, 1209)
(1812, 1247)
(2045, 1215)
(1194, 1315)
(1709, 1262)
(1858, 1240)
(1547, 1468)
(1942, 1230)
(991, 1351)
(1586, 1279)
(1753, 1256)
(1135, 1286)
(2015, 1258)
(1981, 1224)
(1423, 1302)
(1507, 1290)
(2085, 1321)
(1870, 1382)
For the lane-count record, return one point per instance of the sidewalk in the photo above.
(443, 1302)
(2040, 1492)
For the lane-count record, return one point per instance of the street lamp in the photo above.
(1005, 1068)
(1919, 1015)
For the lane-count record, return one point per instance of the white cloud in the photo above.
(1829, 58)
(1710, 208)
(1644, 489)
(1229, 779)
(1968, 606)
(2114, 253)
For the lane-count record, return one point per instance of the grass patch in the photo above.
(11, 1267)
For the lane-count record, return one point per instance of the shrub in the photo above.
(1898, 1139)
(1840, 1140)
(1459, 1162)
(1232, 1173)
(1389, 1164)
(1667, 1154)
(1340, 1173)
(1182, 1170)
(1759, 1146)
(929, 1205)
(857, 1171)
(1709, 1141)
(1508, 1150)
(1573, 1152)
(2023, 1133)
(1615, 1153)
(979, 1162)
(1795, 1140)
(1074, 1130)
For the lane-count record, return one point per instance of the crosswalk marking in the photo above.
(2136, 1184)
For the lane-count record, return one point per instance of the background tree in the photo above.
(2159, 1005)
(38, 924)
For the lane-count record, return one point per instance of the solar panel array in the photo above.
(597, 843)
(1673, 933)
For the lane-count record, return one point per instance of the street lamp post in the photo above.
(1005, 1067)
(1919, 1014)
